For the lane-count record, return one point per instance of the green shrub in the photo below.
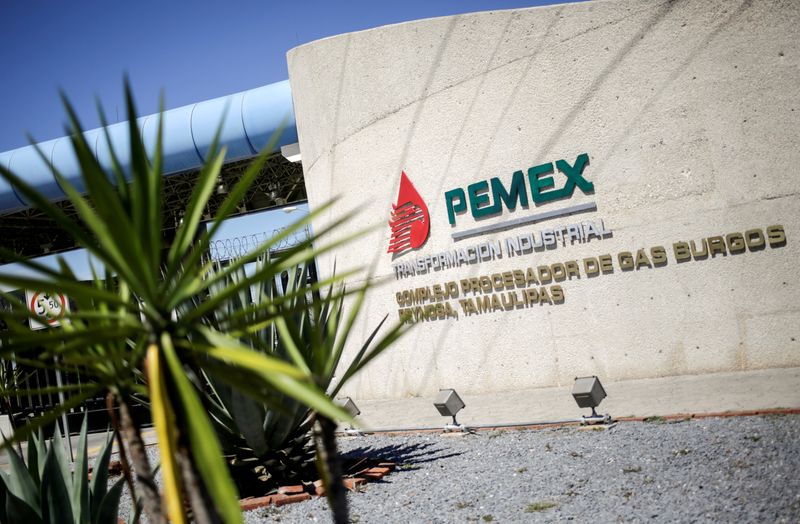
(273, 440)
(49, 490)
(124, 327)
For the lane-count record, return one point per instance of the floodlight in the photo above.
(449, 403)
(347, 404)
(588, 392)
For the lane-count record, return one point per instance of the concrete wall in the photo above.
(688, 111)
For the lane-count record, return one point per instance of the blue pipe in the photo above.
(251, 119)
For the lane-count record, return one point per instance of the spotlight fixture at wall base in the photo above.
(449, 403)
(588, 392)
(347, 404)
(594, 418)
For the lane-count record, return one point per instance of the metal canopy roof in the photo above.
(250, 119)
(30, 233)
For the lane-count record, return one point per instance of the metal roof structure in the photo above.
(249, 120)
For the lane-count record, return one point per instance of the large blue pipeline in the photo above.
(251, 118)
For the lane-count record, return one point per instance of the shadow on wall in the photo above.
(656, 15)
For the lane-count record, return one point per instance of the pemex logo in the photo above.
(410, 222)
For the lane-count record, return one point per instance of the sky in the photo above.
(189, 51)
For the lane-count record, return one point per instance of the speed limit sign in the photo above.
(49, 307)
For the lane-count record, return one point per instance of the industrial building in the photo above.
(604, 188)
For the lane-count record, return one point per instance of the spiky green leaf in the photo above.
(55, 491)
(108, 506)
(202, 440)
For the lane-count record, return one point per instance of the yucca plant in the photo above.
(124, 327)
(273, 441)
(50, 490)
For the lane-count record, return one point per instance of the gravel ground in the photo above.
(718, 470)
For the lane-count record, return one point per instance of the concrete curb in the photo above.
(536, 426)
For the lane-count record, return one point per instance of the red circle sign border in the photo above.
(50, 320)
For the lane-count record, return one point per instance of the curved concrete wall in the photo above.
(688, 112)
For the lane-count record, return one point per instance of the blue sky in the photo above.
(192, 51)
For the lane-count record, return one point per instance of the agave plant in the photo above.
(49, 490)
(274, 439)
(124, 327)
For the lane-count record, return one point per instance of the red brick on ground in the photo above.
(289, 499)
(319, 488)
(373, 474)
(252, 503)
(291, 490)
(353, 484)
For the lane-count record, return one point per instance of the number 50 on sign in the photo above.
(49, 307)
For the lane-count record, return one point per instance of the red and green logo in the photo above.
(410, 222)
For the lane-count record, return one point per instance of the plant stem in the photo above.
(151, 500)
(123, 456)
(325, 435)
(202, 507)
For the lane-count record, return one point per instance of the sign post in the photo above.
(51, 307)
